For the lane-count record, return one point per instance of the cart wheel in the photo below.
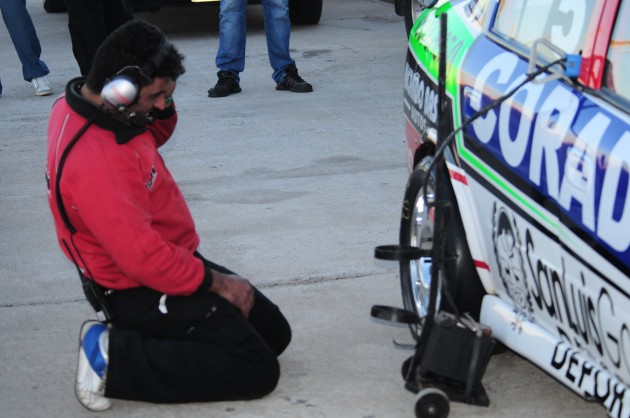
(432, 403)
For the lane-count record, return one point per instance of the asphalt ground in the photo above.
(293, 191)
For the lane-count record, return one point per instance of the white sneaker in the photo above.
(92, 368)
(42, 86)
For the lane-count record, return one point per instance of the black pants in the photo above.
(89, 23)
(196, 348)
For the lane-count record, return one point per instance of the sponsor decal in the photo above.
(552, 287)
(558, 142)
(430, 42)
(592, 381)
(423, 98)
(507, 250)
(586, 316)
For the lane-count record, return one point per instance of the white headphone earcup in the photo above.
(119, 93)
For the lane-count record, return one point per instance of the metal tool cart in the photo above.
(451, 350)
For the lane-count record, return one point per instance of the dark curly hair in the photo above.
(132, 44)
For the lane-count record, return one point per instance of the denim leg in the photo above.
(232, 33)
(278, 32)
(24, 37)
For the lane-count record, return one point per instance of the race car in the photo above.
(534, 144)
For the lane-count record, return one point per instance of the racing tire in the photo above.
(432, 403)
(305, 12)
(54, 6)
(459, 278)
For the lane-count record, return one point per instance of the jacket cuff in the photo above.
(164, 113)
(207, 281)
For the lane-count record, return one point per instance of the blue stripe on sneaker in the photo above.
(92, 350)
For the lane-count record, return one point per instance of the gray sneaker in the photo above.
(42, 86)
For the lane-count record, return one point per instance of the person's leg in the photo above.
(24, 37)
(87, 30)
(278, 33)
(264, 316)
(232, 34)
(186, 349)
(168, 371)
(117, 13)
(270, 323)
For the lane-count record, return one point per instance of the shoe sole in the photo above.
(106, 404)
(280, 88)
(43, 93)
(224, 95)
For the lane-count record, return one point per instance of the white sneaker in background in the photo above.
(42, 86)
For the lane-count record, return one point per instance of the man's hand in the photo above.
(234, 289)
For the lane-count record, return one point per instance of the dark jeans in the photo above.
(22, 32)
(199, 349)
(89, 23)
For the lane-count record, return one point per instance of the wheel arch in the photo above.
(426, 149)
(461, 266)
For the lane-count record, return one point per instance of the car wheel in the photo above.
(416, 229)
(305, 12)
(54, 6)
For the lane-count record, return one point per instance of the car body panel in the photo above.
(542, 183)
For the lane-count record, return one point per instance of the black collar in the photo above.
(123, 132)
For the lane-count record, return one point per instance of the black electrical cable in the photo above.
(442, 144)
(449, 138)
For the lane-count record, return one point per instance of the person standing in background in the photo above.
(230, 58)
(89, 23)
(24, 37)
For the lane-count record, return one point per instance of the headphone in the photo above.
(123, 89)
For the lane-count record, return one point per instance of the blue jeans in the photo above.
(232, 33)
(24, 37)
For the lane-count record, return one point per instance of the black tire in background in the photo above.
(462, 280)
(305, 12)
(410, 13)
(54, 6)
(411, 9)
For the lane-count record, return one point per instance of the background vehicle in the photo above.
(303, 12)
(539, 182)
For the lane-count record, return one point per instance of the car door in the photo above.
(549, 168)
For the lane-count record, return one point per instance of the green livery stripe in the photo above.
(425, 43)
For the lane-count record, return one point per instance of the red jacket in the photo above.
(133, 227)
